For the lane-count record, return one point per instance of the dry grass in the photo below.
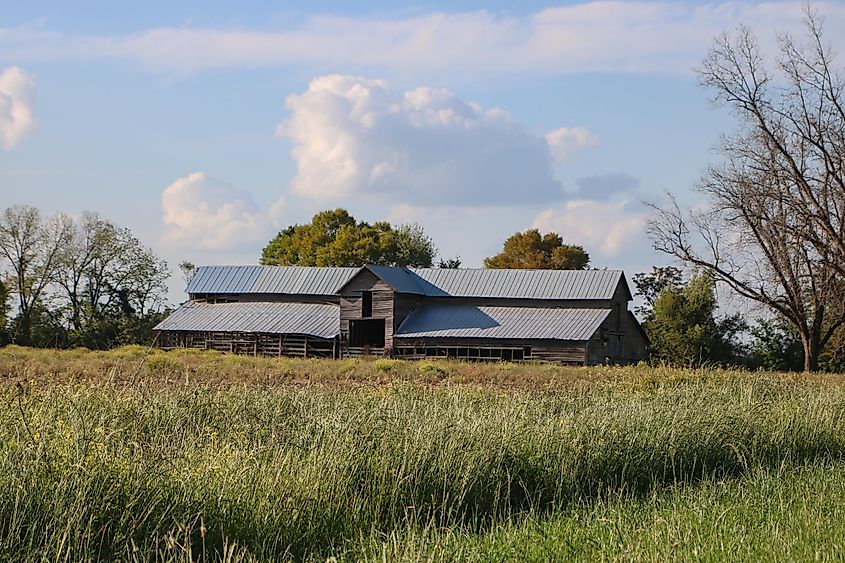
(134, 365)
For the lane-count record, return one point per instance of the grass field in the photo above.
(189, 456)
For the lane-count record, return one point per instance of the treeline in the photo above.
(71, 282)
(681, 318)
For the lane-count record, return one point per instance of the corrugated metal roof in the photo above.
(298, 280)
(520, 284)
(315, 319)
(433, 282)
(467, 321)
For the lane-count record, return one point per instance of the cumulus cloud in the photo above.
(17, 100)
(353, 137)
(608, 227)
(206, 213)
(566, 140)
(600, 36)
(604, 186)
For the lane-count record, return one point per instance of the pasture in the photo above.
(189, 456)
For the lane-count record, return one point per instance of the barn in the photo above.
(567, 316)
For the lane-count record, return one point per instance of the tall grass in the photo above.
(123, 469)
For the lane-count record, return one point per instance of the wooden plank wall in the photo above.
(350, 308)
(251, 343)
(569, 352)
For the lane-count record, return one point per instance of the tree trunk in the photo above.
(811, 346)
(23, 334)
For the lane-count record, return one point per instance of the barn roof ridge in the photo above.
(431, 282)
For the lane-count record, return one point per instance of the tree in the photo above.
(774, 229)
(84, 282)
(449, 263)
(650, 286)
(775, 346)
(684, 330)
(107, 276)
(31, 245)
(188, 269)
(335, 238)
(531, 250)
(4, 314)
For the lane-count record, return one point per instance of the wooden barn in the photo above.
(567, 316)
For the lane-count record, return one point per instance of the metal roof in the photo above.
(520, 284)
(314, 319)
(432, 282)
(467, 321)
(299, 280)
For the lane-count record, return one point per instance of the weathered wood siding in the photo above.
(251, 343)
(562, 351)
(350, 308)
(618, 341)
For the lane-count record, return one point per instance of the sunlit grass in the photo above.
(270, 459)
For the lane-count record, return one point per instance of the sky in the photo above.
(205, 127)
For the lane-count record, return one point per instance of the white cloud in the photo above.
(202, 212)
(566, 140)
(353, 137)
(600, 36)
(17, 100)
(608, 227)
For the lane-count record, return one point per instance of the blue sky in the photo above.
(206, 126)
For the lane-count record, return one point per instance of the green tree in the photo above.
(335, 238)
(4, 314)
(31, 246)
(684, 330)
(107, 280)
(651, 285)
(531, 250)
(775, 346)
(449, 263)
(188, 269)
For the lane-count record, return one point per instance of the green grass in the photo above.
(267, 462)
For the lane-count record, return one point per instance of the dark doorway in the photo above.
(366, 332)
(366, 304)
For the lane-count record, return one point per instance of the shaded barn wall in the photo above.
(350, 308)
(635, 342)
(618, 341)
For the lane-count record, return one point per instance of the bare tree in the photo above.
(31, 245)
(773, 229)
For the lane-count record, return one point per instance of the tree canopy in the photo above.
(682, 325)
(531, 250)
(335, 238)
(77, 282)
